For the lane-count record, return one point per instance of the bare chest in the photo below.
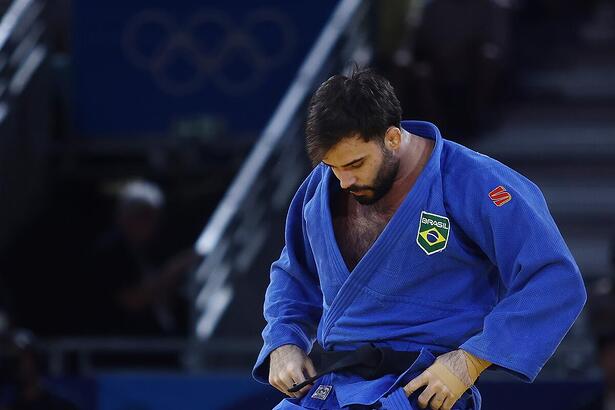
(356, 231)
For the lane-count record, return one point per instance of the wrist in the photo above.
(284, 349)
(476, 365)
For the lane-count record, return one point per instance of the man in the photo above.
(402, 247)
(135, 286)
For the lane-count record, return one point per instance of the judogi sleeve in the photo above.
(293, 301)
(543, 291)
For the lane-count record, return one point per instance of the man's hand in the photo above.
(289, 365)
(447, 379)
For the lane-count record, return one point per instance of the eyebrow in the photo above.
(354, 161)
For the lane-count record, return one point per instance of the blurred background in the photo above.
(149, 151)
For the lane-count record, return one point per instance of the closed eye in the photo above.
(356, 165)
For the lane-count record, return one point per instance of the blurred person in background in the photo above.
(22, 385)
(136, 289)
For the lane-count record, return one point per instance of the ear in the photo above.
(392, 138)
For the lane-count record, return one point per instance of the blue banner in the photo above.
(173, 392)
(142, 68)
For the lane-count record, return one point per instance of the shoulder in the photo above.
(459, 161)
(469, 170)
(475, 185)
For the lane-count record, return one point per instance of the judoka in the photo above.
(411, 264)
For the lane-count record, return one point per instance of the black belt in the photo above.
(368, 361)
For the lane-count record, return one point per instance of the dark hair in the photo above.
(364, 103)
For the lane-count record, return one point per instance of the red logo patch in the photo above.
(500, 196)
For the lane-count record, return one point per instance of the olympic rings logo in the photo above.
(212, 45)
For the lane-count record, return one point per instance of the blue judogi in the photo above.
(504, 288)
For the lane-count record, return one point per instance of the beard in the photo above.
(383, 182)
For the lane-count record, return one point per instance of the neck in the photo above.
(414, 153)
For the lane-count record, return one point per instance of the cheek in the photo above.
(370, 172)
(366, 178)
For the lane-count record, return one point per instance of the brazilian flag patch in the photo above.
(433, 232)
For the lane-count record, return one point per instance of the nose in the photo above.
(346, 180)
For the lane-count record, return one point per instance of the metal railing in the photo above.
(23, 110)
(238, 229)
(22, 50)
(89, 355)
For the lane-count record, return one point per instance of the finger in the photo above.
(276, 382)
(287, 382)
(416, 383)
(308, 371)
(437, 401)
(424, 398)
(309, 367)
(282, 387)
(298, 377)
(303, 391)
(448, 404)
(291, 376)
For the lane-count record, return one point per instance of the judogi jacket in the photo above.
(471, 259)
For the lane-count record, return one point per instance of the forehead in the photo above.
(349, 149)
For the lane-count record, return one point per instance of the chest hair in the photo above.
(356, 229)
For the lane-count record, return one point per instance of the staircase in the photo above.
(560, 133)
